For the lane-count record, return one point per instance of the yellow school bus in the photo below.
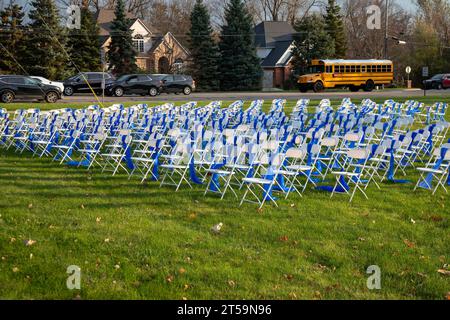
(354, 74)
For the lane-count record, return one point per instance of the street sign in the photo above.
(408, 70)
(425, 72)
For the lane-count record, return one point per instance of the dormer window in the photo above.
(138, 43)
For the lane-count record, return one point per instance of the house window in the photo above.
(138, 43)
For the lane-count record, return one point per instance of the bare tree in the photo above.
(280, 10)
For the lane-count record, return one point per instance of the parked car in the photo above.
(177, 83)
(83, 82)
(439, 81)
(43, 80)
(142, 84)
(22, 87)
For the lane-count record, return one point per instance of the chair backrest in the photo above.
(358, 154)
(295, 153)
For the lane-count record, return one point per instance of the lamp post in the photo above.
(386, 25)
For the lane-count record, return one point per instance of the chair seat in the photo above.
(299, 168)
(286, 172)
(221, 172)
(112, 155)
(379, 160)
(430, 170)
(173, 166)
(257, 180)
(88, 150)
(343, 173)
(238, 166)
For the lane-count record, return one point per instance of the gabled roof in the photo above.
(159, 40)
(276, 54)
(267, 33)
(105, 17)
(277, 36)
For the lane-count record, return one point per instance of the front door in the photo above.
(268, 79)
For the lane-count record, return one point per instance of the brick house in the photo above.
(274, 43)
(156, 53)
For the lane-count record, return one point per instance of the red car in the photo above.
(439, 82)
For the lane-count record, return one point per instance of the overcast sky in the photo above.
(407, 4)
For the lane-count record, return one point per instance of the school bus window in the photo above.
(378, 68)
(358, 69)
(363, 68)
(389, 68)
(347, 69)
(384, 68)
(352, 69)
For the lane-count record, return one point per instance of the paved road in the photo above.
(263, 95)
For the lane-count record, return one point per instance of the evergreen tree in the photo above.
(121, 53)
(240, 66)
(204, 51)
(83, 43)
(12, 38)
(311, 42)
(46, 55)
(334, 25)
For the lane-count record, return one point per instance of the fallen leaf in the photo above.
(317, 295)
(292, 295)
(447, 296)
(107, 240)
(409, 243)
(117, 267)
(169, 278)
(288, 276)
(292, 205)
(192, 216)
(361, 239)
(31, 256)
(15, 269)
(82, 206)
(181, 270)
(231, 283)
(13, 240)
(29, 242)
(184, 298)
(284, 238)
(186, 286)
(444, 272)
(423, 275)
(98, 219)
(413, 221)
(30, 206)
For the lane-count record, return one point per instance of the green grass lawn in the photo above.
(136, 241)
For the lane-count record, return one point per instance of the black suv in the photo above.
(142, 84)
(22, 87)
(79, 84)
(177, 83)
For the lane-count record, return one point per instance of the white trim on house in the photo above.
(286, 57)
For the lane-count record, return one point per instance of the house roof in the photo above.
(267, 33)
(105, 17)
(276, 54)
(277, 36)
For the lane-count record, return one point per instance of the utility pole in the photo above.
(386, 26)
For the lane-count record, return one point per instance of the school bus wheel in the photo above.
(370, 85)
(318, 86)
